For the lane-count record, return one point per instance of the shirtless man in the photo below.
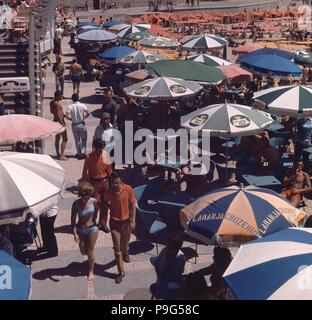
(76, 75)
(297, 182)
(58, 116)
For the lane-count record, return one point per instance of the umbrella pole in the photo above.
(226, 154)
(34, 146)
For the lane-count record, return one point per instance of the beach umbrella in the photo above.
(97, 35)
(112, 23)
(277, 267)
(269, 64)
(211, 61)
(138, 36)
(118, 27)
(141, 57)
(159, 42)
(87, 24)
(247, 48)
(227, 120)
(294, 101)
(87, 29)
(163, 88)
(233, 215)
(205, 42)
(303, 58)
(270, 51)
(20, 127)
(187, 70)
(236, 74)
(17, 278)
(116, 53)
(29, 183)
(136, 76)
(124, 33)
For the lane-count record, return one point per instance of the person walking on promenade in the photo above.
(47, 221)
(76, 75)
(85, 230)
(58, 116)
(59, 70)
(78, 112)
(97, 169)
(121, 202)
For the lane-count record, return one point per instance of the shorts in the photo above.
(76, 78)
(289, 194)
(86, 231)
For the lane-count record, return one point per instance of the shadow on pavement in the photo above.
(92, 99)
(137, 247)
(74, 270)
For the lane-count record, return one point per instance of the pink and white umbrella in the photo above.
(235, 73)
(19, 127)
(247, 48)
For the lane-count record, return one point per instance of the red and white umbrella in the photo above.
(19, 127)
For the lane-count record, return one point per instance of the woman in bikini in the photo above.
(86, 229)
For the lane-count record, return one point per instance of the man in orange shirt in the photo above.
(96, 170)
(120, 200)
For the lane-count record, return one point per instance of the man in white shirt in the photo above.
(77, 113)
(58, 36)
(104, 130)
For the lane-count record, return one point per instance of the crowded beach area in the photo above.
(164, 153)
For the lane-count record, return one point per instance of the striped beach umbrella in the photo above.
(138, 36)
(277, 267)
(29, 183)
(211, 61)
(141, 56)
(97, 35)
(295, 101)
(205, 42)
(163, 88)
(158, 42)
(124, 33)
(118, 27)
(236, 214)
(227, 120)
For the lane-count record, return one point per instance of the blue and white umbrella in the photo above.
(15, 279)
(277, 267)
(87, 24)
(112, 23)
(116, 53)
(97, 35)
(236, 214)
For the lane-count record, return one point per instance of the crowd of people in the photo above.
(106, 203)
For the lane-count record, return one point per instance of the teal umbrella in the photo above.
(303, 58)
(187, 70)
(138, 36)
(295, 101)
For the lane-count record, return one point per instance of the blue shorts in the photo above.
(86, 231)
(76, 78)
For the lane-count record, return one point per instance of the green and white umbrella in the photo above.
(205, 42)
(159, 42)
(138, 36)
(163, 88)
(124, 33)
(295, 101)
(227, 120)
(141, 57)
(211, 61)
